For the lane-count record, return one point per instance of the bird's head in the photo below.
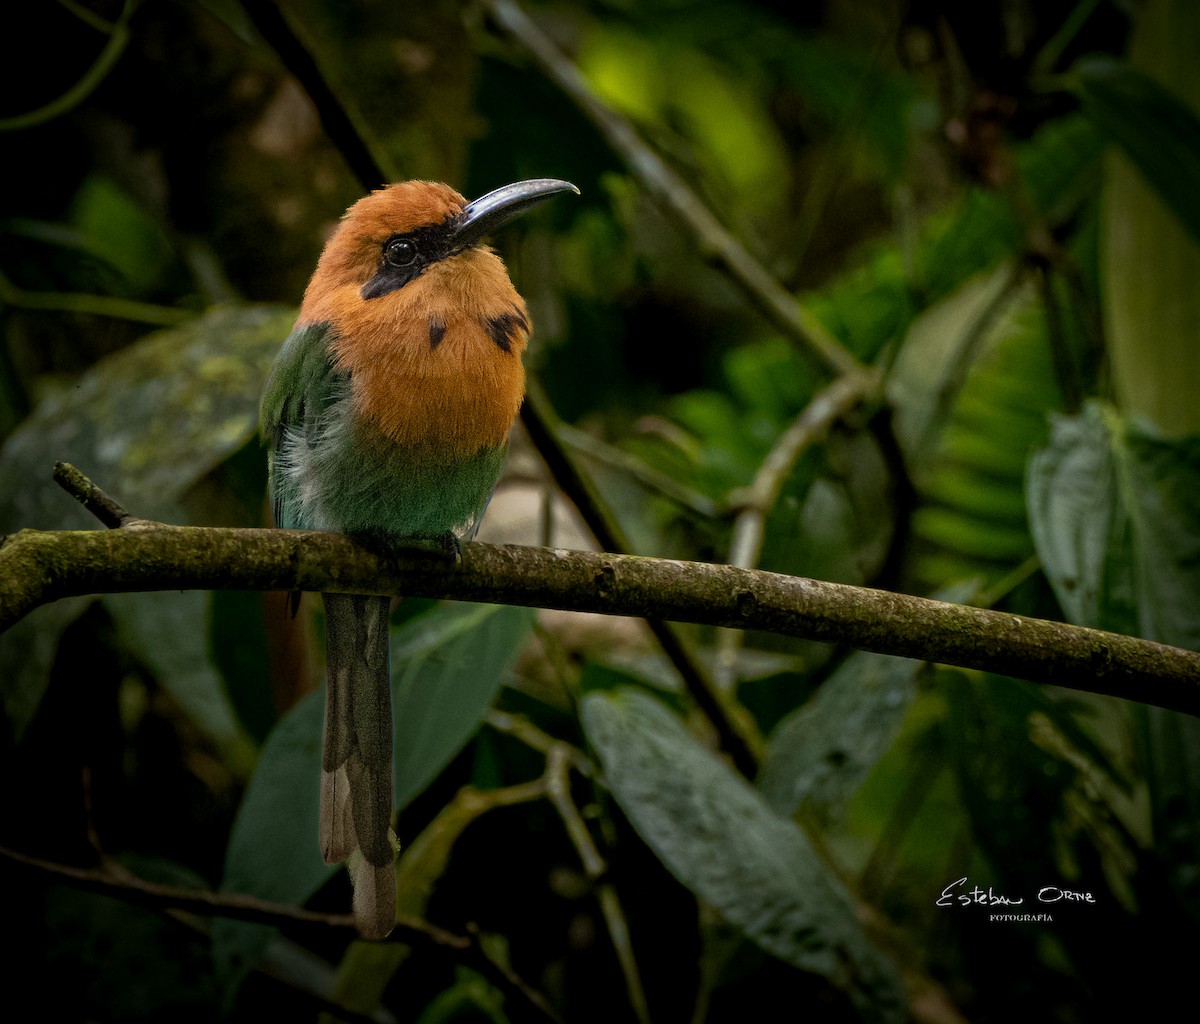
(390, 239)
(417, 301)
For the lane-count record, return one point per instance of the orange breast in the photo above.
(436, 364)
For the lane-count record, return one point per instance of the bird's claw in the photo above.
(451, 547)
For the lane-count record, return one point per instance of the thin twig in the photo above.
(91, 497)
(733, 732)
(129, 888)
(524, 730)
(757, 500)
(201, 902)
(669, 191)
(558, 789)
(87, 83)
(646, 475)
(110, 306)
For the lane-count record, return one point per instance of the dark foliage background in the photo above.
(992, 204)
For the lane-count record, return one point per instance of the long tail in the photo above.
(356, 777)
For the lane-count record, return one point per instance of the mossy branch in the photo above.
(39, 567)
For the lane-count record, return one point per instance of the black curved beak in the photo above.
(489, 213)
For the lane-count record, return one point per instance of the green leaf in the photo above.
(720, 839)
(121, 232)
(1155, 129)
(170, 635)
(1115, 514)
(1149, 251)
(972, 388)
(272, 852)
(446, 668)
(820, 754)
(101, 944)
(145, 424)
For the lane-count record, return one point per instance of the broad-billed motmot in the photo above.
(387, 415)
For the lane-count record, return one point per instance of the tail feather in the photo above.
(356, 780)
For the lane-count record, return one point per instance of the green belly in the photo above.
(353, 480)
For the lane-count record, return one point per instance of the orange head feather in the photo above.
(426, 320)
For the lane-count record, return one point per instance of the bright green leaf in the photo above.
(972, 387)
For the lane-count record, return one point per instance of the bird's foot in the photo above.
(451, 547)
(444, 546)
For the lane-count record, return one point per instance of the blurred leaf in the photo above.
(718, 836)
(1149, 249)
(1043, 797)
(1158, 132)
(470, 1000)
(125, 962)
(446, 668)
(1010, 787)
(1115, 511)
(869, 306)
(169, 632)
(367, 968)
(819, 754)
(771, 377)
(1058, 169)
(145, 424)
(273, 852)
(833, 520)
(122, 233)
(238, 648)
(935, 355)
(972, 394)
(689, 102)
(1169, 760)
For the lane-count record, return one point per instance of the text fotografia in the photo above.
(956, 895)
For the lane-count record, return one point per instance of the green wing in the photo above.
(301, 386)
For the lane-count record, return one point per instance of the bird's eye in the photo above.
(400, 252)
